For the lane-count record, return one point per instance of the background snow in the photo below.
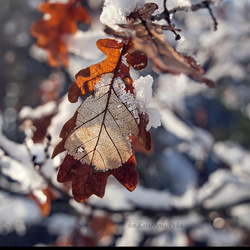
(143, 96)
(115, 11)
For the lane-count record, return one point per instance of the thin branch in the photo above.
(166, 16)
(205, 4)
(212, 16)
(166, 13)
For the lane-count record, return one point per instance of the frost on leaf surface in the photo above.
(103, 126)
(115, 11)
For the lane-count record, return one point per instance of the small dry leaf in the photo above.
(59, 20)
(43, 199)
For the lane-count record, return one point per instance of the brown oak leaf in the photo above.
(60, 19)
(97, 137)
(149, 38)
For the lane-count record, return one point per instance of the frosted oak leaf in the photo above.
(100, 135)
(103, 125)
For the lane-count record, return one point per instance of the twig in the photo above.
(166, 13)
(166, 16)
(212, 16)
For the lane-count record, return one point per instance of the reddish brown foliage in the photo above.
(62, 19)
(85, 181)
(87, 78)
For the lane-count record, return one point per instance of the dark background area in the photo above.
(20, 74)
